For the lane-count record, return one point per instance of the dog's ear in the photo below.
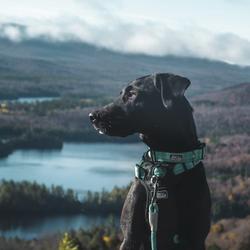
(170, 86)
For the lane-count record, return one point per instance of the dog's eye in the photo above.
(130, 94)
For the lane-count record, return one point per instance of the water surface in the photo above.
(34, 227)
(30, 100)
(78, 166)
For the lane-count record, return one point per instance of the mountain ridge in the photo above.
(83, 69)
(236, 95)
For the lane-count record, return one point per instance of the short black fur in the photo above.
(155, 107)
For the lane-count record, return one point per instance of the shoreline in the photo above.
(51, 143)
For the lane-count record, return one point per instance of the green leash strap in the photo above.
(153, 222)
(153, 241)
(153, 209)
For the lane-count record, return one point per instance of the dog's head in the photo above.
(144, 105)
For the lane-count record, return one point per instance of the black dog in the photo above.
(155, 107)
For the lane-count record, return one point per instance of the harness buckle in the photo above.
(154, 179)
(154, 182)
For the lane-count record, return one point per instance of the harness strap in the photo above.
(189, 156)
(182, 161)
(179, 168)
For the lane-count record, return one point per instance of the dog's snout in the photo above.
(93, 117)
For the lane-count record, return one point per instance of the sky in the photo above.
(213, 29)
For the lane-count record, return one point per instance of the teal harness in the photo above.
(154, 166)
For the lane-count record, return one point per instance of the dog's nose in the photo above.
(92, 117)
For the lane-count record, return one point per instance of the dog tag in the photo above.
(176, 157)
(162, 194)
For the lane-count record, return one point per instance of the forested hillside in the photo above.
(219, 113)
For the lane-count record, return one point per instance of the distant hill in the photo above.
(39, 68)
(223, 112)
(238, 95)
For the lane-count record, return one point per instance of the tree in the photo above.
(68, 243)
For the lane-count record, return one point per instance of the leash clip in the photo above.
(154, 182)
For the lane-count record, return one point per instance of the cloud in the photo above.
(104, 28)
(12, 32)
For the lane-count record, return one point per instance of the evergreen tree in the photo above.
(69, 243)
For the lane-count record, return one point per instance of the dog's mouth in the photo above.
(118, 126)
(99, 130)
(102, 128)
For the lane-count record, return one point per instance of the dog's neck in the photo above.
(175, 134)
(170, 142)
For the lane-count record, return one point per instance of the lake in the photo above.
(81, 167)
(34, 227)
(30, 100)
